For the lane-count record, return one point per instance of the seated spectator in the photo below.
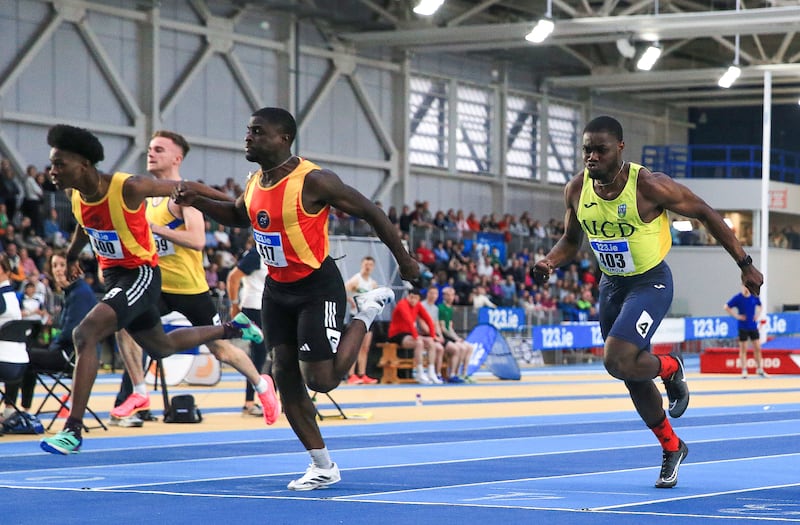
(53, 234)
(425, 255)
(403, 331)
(31, 307)
(211, 239)
(13, 356)
(222, 237)
(3, 219)
(78, 300)
(17, 271)
(508, 291)
(480, 299)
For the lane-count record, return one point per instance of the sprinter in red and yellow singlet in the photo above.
(287, 203)
(111, 216)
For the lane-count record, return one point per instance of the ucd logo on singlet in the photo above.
(609, 230)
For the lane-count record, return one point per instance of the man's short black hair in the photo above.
(605, 123)
(281, 118)
(76, 140)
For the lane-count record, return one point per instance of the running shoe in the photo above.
(744, 373)
(422, 378)
(270, 401)
(250, 332)
(455, 380)
(670, 465)
(354, 379)
(677, 389)
(762, 373)
(133, 421)
(65, 442)
(135, 403)
(374, 299)
(253, 410)
(366, 380)
(316, 478)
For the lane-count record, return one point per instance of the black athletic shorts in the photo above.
(198, 308)
(133, 295)
(307, 314)
(752, 335)
(398, 338)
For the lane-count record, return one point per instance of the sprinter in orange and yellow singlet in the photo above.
(287, 203)
(111, 217)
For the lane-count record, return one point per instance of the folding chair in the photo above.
(18, 331)
(320, 415)
(57, 385)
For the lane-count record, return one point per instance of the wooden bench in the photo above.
(391, 363)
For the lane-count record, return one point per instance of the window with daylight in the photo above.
(562, 122)
(522, 136)
(429, 131)
(474, 130)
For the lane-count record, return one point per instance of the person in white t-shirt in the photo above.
(245, 287)
(360, 283)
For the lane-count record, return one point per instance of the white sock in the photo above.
(432, 371)
(420, 371)
(262, 386)
(140, 389)
(367, 316)
(320, 457)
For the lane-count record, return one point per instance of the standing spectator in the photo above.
(245, 286)
(746, 308)
(32, 199)
(362, 282)
(10, 189)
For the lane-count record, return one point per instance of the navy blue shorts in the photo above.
(632, 307)
(307, 314)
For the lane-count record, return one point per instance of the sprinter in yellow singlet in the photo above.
(622, 208)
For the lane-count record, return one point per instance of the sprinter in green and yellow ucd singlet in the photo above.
(622, 208)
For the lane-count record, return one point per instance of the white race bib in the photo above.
(106, 243)
(614, 257)
(164, 246)
(270, 248)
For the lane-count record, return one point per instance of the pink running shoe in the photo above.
(135, 403)
(270, 401)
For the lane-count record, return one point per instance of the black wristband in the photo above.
(744, 263)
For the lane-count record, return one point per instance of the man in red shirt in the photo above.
(403, 331)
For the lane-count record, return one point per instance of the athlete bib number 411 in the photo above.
(270, 248)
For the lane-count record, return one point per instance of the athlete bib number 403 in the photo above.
(270, 248)
(106, 243)
(614, 257)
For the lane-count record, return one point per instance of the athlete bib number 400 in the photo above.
(270, 248)
(106, 243)
(614, 257)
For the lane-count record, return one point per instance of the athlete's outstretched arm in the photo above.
(213, 203)
(325, 187)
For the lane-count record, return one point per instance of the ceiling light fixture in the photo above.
(653, 51)
(543, 27)
(729, 77)
(428, 7)
(649, 57)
